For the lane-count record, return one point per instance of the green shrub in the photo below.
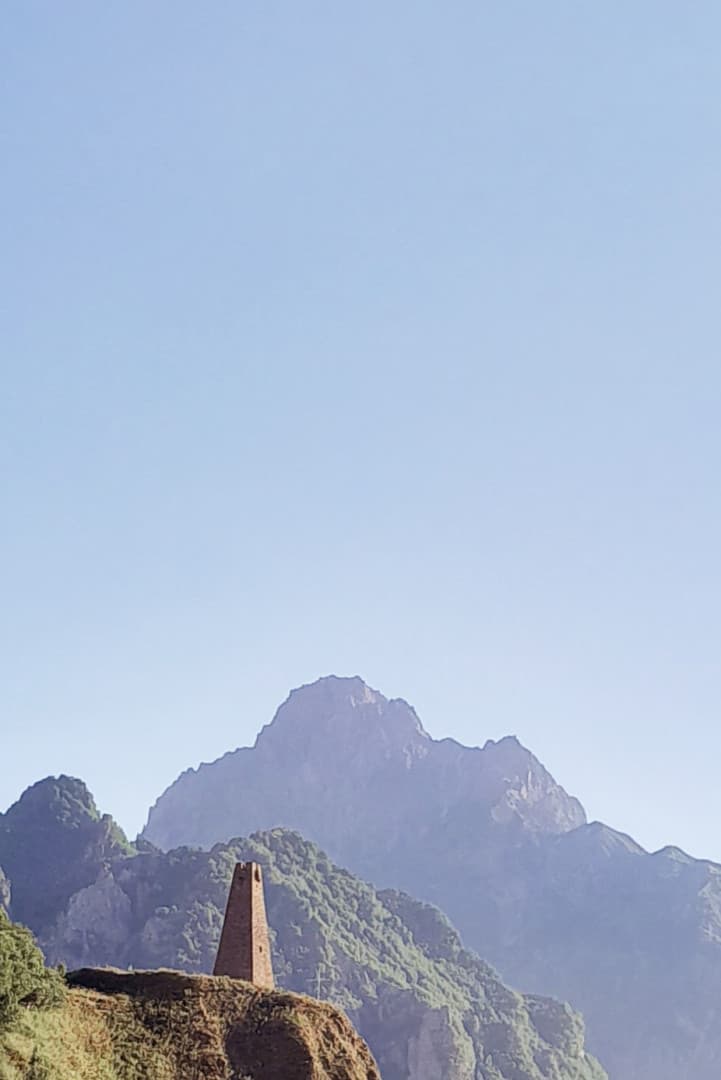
(24, 979)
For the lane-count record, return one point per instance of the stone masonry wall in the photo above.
(244, 950)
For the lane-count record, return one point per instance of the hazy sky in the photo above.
(376, 338)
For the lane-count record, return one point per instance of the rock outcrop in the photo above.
(5, 892)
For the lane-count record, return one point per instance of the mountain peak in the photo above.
(55, 830)
(64, 799)
(344, 713)
(352, 769)
(351, 688)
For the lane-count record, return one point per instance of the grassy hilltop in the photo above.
(162, 1025)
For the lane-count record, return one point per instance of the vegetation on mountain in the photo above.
(429, 1009)
(24, 979)
(50, 843)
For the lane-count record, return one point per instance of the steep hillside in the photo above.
(578, 911)
(50, 843)
(167, 1026)
(428, 1009)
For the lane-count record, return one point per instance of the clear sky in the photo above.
(376, 338)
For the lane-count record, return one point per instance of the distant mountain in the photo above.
(429, 1009)
(561, 907)
(341, 760)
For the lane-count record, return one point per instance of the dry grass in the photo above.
(167, 1026)
(69, 1043)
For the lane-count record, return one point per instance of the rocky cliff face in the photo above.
(4, 892)
(560, 907)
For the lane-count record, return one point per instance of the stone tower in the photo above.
(244, 950)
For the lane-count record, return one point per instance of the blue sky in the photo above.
(363, 338)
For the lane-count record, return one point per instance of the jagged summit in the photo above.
(337, 689)
(346, 765)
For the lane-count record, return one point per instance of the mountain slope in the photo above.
(429, 1009)
(578, 911)
(50, 841)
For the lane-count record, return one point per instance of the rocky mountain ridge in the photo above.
(357, 750)
(559, 906)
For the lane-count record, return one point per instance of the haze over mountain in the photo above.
(561, 906)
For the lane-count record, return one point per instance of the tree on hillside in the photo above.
(24, 979)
